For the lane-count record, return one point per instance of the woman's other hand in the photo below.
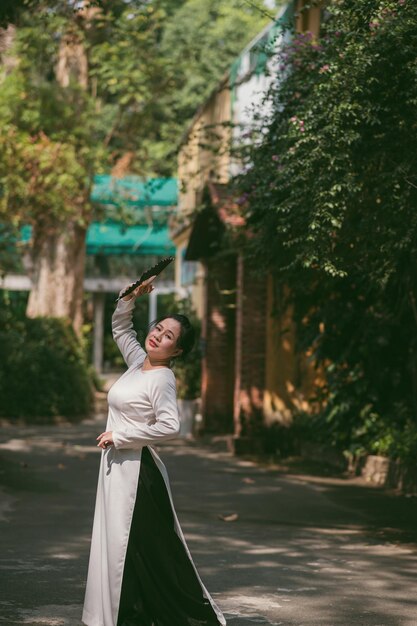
(145, 287)
(105, 440)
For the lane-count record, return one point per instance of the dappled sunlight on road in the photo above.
(295, 549)
(298, 550)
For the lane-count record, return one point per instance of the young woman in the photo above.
(141, 572)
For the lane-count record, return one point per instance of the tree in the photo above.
(69, 108)
(85, 89)
(199, 45)
(46, 179)
(332, 196)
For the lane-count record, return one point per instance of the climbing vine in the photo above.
(330, 197)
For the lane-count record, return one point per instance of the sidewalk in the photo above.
(298, 550)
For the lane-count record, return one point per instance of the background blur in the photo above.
(269, 147)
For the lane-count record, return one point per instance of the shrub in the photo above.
(43, 373)
(330, 195)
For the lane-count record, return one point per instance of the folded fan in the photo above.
(152, 271)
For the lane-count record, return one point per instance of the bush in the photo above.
(43, 373)
(330, 199)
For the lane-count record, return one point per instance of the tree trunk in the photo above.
(57, 275)
(8, 61)
(58, 259)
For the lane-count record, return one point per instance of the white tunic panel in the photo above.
(142, 411)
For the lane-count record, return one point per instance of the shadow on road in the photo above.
(301, 550)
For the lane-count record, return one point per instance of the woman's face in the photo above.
(161, 341)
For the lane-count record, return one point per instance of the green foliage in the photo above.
(46, 162)
(9, 257)
(9, 11)
(42, 181)
(331, 201)
(199, 44)
(137, 72)
(42, 370)
(188, 369)
(111, 353)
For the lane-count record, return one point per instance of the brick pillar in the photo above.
(219, 345)
(251, 336)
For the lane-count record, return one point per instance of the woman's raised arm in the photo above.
(124, 334)
(122, 325)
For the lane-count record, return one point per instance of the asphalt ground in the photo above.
(274, 545)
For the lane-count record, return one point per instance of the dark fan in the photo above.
(152, 271)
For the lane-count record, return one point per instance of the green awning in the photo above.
(115, 238)
(150, 204)
(134, 191)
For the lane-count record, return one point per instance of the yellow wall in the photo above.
(197, 163)
(197, 290)
(308, 20)
(290, 377)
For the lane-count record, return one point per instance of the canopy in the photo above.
(115, 238)
(134, 191)
(149, 203)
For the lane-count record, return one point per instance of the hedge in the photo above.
(43, 373)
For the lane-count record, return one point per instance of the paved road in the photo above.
(304, 551)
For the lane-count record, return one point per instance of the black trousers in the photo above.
(160, 586)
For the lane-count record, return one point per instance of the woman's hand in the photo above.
(105, 440)
(145, 287)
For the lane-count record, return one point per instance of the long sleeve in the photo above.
(123, 333)
(163, 398)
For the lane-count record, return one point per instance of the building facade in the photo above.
(252, 375)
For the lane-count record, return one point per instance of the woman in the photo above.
(141, 572)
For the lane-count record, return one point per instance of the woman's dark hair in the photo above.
(186, 337)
